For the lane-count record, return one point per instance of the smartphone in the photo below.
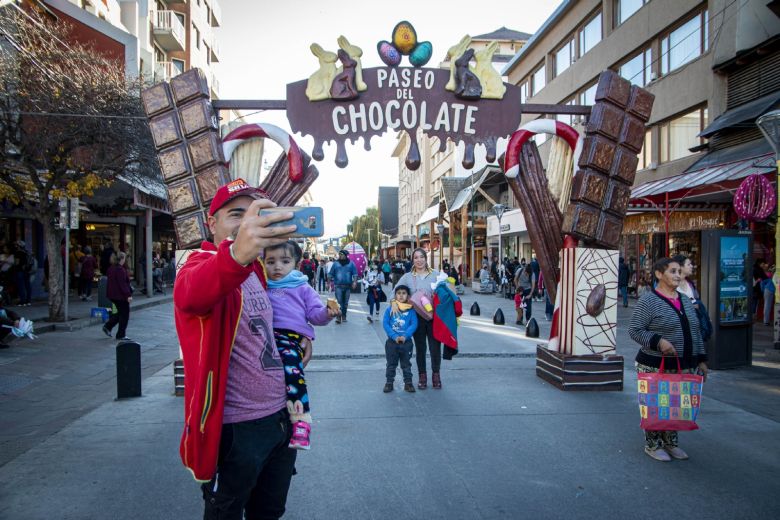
(308, 220)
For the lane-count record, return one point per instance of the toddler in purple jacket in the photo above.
(296, 307)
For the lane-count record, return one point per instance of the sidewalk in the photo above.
(79, 312)
(496, 442)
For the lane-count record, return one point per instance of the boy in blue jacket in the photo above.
(400, 322)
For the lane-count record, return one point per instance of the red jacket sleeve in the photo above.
(458, 307)
(207, 278)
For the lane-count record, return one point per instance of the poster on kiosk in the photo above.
(727, 281)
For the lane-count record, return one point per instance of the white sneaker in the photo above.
(676, 452)
(658, 454)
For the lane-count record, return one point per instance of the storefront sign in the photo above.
(678, 221)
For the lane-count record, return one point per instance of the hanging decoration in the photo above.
(755, 198)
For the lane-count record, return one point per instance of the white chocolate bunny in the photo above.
(492, 85)
(318, 86)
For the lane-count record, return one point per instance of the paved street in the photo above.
(496, 442)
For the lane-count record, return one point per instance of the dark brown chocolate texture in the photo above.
(602, 185)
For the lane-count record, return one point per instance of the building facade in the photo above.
(711, 66)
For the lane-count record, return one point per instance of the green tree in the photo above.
(363, 230)
(70, 123)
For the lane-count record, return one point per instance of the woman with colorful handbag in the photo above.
(419, 280)
(665, 324)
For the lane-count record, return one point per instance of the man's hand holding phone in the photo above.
(255, 232)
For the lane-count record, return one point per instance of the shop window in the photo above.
(538, 80)
(680, 134)
(684, 44)
(564, 57)
(624, 9)
(590, 34)
(638, 69)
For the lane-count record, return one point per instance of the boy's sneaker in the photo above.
(300, 436)
(388, 388)
(409, 387)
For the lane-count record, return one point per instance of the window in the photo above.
(525, 90)
(538, 80)
(680, 134)
(588, 96)
(178, 67)
(637, 70)
(684, 44)
(196, 36)
(566, 118)
(564, 57)
(646, 155)
(590, 34)
(625, 8)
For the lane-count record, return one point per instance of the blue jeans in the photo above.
(549, 307)
(322, 285)
(624, 293)
(373, 301)
(254, 470)
(342, 296)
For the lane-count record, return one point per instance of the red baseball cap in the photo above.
(231, 190)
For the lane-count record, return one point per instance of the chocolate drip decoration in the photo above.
(490, 149)
(468, 156)
(317, 154)
(413, 155)
(341, 155)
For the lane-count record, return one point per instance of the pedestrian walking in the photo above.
(447, 308)
(372, 283)
(400, 322)
(308, 267)
(120, 292)
(322, 277)
(397, 270)
(237, 432)
(88, 267)
(525, 286)
(665, 325)
(344, 276)
(768, 286)
(419, 280)
(297, 307)
(386, 271)
(623, 275)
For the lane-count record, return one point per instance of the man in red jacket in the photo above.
(237, 427)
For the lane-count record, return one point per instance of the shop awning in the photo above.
(707, 173)
(429, 214)
(743, 115)
(468, 191)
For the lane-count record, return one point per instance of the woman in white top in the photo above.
(687, 286)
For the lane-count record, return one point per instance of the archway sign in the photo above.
(574, 211)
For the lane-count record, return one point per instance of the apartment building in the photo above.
(420, 190)
(712, 66)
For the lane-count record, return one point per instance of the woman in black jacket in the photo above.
(664, 324)
(120, 292)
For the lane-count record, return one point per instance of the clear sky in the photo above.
(265, 45)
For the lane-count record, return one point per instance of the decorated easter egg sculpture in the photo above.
(404, 37)
(388, 53)
(404, 42)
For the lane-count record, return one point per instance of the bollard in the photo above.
(128, 369)
(474, 309)
(103, 300)
(498, 317)
(532, 328)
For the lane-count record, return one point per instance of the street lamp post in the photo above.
(499, 210)
(769, 124)
(440, 229)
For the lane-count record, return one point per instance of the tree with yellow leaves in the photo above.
(70, 123)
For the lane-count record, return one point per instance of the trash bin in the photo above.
(103, 300)
(128, 369)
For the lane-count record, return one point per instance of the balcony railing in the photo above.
(169, 31)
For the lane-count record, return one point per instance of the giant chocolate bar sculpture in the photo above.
(185, 130)
(580, 354)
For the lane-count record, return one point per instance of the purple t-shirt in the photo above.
(255, 385)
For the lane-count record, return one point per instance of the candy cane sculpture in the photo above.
(539, 126)
(243, 133)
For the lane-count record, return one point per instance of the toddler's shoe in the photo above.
(388, 388)
(300, 436)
